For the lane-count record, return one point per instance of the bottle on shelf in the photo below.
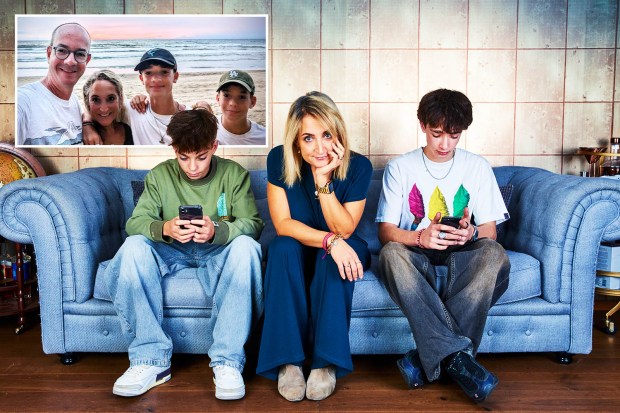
(611, 165)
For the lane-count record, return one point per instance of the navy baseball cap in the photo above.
(155, 57)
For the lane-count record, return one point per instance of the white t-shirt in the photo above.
(147, 128)
(45, 119)
(411, 197)
(256, 136)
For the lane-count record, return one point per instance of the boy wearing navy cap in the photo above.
(158, 74)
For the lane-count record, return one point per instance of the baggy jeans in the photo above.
(230, 274)
(444, 322)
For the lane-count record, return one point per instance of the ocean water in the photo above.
(121, 56)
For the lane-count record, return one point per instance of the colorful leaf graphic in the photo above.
(416, 206)
(437, 204)
(461, 200)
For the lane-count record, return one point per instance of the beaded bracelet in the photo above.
(418, 242)
(88, 124)
(333, 243)
(329, 234)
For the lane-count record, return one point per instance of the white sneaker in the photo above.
(139, 379)
(228, 383)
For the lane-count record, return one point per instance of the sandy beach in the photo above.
(190, 88)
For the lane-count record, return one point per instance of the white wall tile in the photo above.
(393, 75)
(542, 24)
(437, 31)
(145, 162)
(345, 24)
(616, 128)
(103, 161)
(586, 124)
(355, 116)
(589, 75)
(492, 131)
(550, 163)
(492, 24)
(442, 69)
(491, 75)
(295, 72)
(59, 165)
(538, 128)
(591, 23)
(388, 17)
(345, 75)
(296, 25)
(540, 75)
(393, 128)
(246, 6)
(280, 112)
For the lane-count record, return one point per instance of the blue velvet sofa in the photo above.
(76, 222)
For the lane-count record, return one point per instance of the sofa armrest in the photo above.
(75, 221)
(561, 220)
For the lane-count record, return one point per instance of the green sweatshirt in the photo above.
(224, 194)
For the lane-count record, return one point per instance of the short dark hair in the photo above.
(192, 131)
(445, 108)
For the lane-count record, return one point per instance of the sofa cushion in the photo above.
(137, 187)
(370, 298)
(182, 289)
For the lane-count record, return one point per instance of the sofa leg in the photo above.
(564, 358)
(68, 358)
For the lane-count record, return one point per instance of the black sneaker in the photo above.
(476, 381)
(411, 369)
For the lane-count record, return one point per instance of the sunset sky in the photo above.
(113, 27)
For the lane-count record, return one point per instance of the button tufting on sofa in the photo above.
(550, 290)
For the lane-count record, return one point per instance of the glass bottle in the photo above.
(611, 166)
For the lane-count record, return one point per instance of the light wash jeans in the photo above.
(230, 274)
(444, 322)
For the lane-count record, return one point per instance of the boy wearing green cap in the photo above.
(235, 95)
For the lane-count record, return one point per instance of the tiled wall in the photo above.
(541, 73)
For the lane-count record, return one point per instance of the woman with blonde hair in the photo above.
(316, 193)
(104, 102)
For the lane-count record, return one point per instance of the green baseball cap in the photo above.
(237, 76)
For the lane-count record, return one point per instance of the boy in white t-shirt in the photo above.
(420, 188)
(235, 96)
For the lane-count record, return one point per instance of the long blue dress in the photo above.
(307, 303)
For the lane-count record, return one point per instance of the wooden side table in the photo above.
(19, 296)
(610, 327)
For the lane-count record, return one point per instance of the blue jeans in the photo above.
(230, 274)
(444, 322)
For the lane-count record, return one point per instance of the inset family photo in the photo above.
(119, 79)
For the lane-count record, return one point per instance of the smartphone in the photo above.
(189, 212)
(451, 221)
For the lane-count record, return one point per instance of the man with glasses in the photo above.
(48, 113)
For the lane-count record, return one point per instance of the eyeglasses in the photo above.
(62, 53)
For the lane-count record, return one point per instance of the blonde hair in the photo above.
(111, 77)
(323, 109)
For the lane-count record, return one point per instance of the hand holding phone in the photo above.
(189, 212)
(451, 221)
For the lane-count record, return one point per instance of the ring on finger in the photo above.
(441, 235)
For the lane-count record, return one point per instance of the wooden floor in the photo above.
(32, 381)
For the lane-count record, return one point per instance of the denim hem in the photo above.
(149, 362)
(234, 365)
